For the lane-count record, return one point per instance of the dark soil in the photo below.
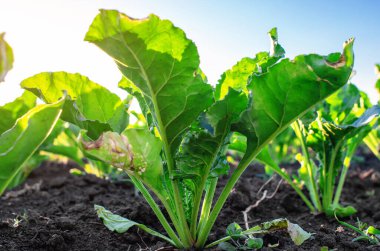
(54, 211)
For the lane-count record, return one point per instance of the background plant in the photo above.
(61, 139)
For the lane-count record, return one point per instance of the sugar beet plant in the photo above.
(343, 121)
(328, 139)
(178, 157)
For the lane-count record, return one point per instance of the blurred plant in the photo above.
(366, 233)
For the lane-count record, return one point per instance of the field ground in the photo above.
(54, 211)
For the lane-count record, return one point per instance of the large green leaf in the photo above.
(10, 112)
(23, 139)
(287, 91)
(6, 57)
(159, 60)
(90, 106)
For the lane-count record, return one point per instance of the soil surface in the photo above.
(54, 211)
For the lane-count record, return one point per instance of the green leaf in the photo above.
(24, 138)
(339, 105)
(274, 107)
(199, 156)
(255, 243)
(10, 112)
(234, 230)
(237, 78)
(341, 211)
(373, 230)
(90, 106)
(119, 224)
(6, 57)
(158, 59)
(136, 93)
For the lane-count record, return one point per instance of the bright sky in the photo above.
(47, 35)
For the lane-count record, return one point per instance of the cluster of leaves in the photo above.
(244, 239)
(343, 121)
(179, 152)
(30, 133)
(328, 139)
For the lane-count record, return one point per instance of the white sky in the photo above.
(47, 35)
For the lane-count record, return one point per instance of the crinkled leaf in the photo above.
(200, 153)
(200, 148)
(136, 151)
(23, 139)
(119, 224)
(273, 106)
(90, 106)
(6, 57)
(10, 112)
(157, 58)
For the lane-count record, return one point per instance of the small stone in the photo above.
(57, 182)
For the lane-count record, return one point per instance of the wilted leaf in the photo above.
(297, 234)
(121, 225)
